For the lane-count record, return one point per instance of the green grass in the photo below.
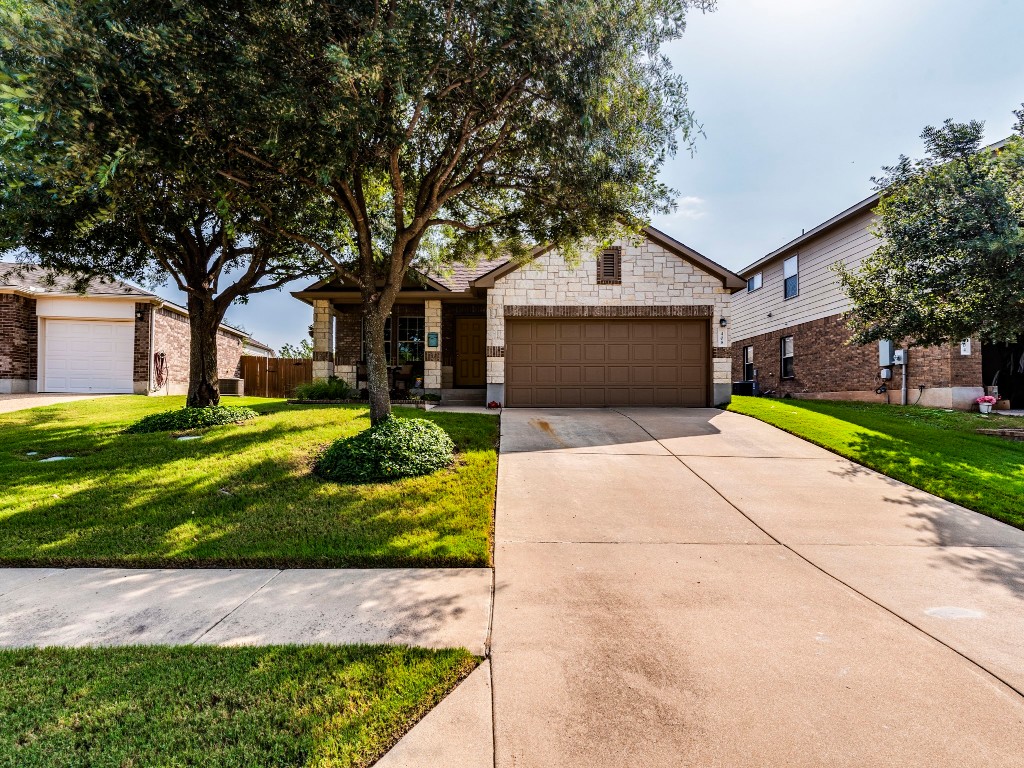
(241, 495)
(214, 707)
(935, 450)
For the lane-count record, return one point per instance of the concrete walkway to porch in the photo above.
(431, 607)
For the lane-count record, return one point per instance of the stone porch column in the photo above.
(323, 339)
(432, 355)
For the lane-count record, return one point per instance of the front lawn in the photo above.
(932, 449)
(240, 495)
(216, 707)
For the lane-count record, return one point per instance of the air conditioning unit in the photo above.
(233, 387)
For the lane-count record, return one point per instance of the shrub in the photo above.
(392, 449)
(191, 418)
(332, 388)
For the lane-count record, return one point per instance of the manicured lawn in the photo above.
(240, 495)
(932, 449)
(216, 707)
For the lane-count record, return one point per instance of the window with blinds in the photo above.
(609, 267)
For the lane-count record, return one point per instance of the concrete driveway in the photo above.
(693, 587)
(21, 402)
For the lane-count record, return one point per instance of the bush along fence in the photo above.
(275, 376)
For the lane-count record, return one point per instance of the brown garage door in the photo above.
(599, 362)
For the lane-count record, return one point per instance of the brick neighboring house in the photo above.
(114, 338)
(788, 326)
(644, 324)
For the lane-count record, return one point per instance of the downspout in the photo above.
(152, 338)
(903, 384)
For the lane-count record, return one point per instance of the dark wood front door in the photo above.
(470, 357)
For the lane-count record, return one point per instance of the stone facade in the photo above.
(19, 332)
(432, 362)
(825, 366)
(651, 276)
(323, 339)
(173, 337)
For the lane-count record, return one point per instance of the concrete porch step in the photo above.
(464, 396)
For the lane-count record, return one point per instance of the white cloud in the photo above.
(690, 208)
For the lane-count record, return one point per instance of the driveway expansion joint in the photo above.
(1018, 690)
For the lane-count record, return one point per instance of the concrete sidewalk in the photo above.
(435, 608)
(693, 587)
(21, 402)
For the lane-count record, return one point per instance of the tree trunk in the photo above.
(374, 319)
(203, 380)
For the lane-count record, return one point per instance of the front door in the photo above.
(470, 357)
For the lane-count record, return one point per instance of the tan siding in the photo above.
(820, 293)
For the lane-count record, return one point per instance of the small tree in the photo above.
(951, 261)
(101, 178)
(302, 350)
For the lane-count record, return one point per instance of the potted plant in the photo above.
(985, 403)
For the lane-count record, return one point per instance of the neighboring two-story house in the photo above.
(789, 333)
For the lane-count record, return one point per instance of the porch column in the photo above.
(432, 355)
(323, 339)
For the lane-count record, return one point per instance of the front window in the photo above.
(791, 275)
(787, 357)
(748, 363)
(753, 282)
(410, 339)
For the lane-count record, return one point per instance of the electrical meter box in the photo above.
(899, 357)
(885, 349)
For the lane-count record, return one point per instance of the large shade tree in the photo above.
(429, 131)
(102, 175)
(951, 260)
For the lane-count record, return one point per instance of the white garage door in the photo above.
(88, 356)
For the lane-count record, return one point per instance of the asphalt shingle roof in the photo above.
(31, 279)
(458, 276)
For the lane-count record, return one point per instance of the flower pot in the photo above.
(985, 407)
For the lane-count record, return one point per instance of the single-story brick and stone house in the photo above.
(114, 338)
(645, 323)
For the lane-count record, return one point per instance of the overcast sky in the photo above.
(802, 101)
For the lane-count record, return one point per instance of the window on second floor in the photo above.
(609, 267)
(791, 276)
(787, 358)
(748, 363)
(754, 282)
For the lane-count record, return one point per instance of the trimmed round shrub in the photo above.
(191, 418)
(392, 449)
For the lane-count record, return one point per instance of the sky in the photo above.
(801, 102)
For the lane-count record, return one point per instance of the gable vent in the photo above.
(609, 267)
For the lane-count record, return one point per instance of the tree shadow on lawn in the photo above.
(238, 496)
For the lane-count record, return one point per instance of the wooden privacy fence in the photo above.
(275, 376)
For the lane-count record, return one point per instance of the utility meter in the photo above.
(899, 357)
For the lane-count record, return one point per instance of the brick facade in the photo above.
(19, 331)
(826, 366)
(140, 375)
(173, 337)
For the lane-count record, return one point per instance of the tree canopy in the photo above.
(373, 134)
(951, 262)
